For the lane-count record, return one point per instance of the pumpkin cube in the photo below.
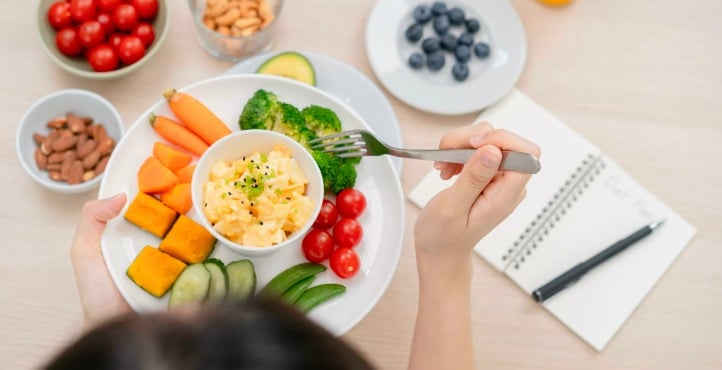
(155, 271)
(150, 214)
(188, 241)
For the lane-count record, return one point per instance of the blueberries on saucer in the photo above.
(460, 71)
(456, 16)
(441, 24)
(466, 38)
(472, 25)
(414, 32)
(431, 45)
(481, 50)
(416, 61)
(462, 53)
(423, 14)
(448, 42)
(438, 8)
(436, 60)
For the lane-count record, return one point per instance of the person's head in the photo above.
(256, 334)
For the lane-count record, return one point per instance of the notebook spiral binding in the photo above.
(554, 210)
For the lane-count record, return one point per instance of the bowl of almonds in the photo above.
(65, 140)
(235, 29)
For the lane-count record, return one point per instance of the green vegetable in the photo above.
(292, 294)
(320, 120)
(291, 65)
(291, 276)
(260, 112)
(241, 279)
(191, 286)
(219, 279)
(314, 296)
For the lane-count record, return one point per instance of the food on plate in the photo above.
(188, 241)
(265, 112)
(347, 232)
(287, 278)
(195, 116)
(350, 203)
(212, 281)
(154, 271)
(318, 294)
(292, 294)
(345, 262)
(191, 286)
(172, 158)
(290, 64)
(218, 286)
(178, 198)
(75, 150)
(317, 245)
(178, 134)
(237, 18)
(327, 216)
(259, 199)
(150, 214)
(241, 279)
(154, 177)
(185, 174)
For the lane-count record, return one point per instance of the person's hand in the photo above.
(99, 297)
(455, 219)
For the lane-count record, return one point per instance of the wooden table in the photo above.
(641, 79)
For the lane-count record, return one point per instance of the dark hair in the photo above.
(256, 334)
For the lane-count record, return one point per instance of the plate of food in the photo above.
(348, 85)
(454, 57)
(155, 163)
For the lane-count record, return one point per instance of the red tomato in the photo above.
(107, 5)
(59, 15)
(68, 42)
(106, 22)
(144, 31)
(147, 9)
(317, 246)
(345, 262)
(351, 203)
(327, 217)
(91, 33)
(115, 39)
(347, 233)
(103, 58)
(130, 49)
(82, 10)
(125, 17)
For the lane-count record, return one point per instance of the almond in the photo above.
(54, 167)
(75, 175)
(100, 167)
(64, 143)
(91, 160)
(88, 175)
(82, 137)
(41, 160)
(46, 147)
(55, 175)
(87, 147)
(57, 122)
(65, 167)
(75, 124)
(56, 157)
(106, 146)
(38, 138)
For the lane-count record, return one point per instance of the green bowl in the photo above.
(78, 65)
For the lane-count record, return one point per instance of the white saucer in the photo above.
(437, 92)
(350, 86)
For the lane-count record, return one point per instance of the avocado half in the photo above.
(290, 65)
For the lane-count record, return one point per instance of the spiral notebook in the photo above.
(578, 204)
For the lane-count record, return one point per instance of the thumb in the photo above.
(94, 217)
(476, 175)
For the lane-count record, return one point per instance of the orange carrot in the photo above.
(171, 157)
(196, 116)
(185, 174)
(178, 198)
(154, 177)
(177, 134)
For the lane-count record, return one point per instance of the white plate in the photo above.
(350, 86)
(437, 92)
(383, 220)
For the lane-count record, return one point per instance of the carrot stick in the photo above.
(178, 198)
(177, 134)
(196, 116)
(171, 157)
(154, 177)
(185, 174)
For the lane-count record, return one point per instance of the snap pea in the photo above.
(289, 277)
(292, 294)
(318, 294)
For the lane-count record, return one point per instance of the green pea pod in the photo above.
(292, 294)
(318, 294)
(289, 277)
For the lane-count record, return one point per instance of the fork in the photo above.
(357, 143)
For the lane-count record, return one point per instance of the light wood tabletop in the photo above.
(640, 79)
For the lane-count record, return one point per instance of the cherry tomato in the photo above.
(351, 203)
(107, 23)
(147, 9)
(115, 39)
(103, 58)
(82, 10)
(91, 33)
(130, 49)
(59, 15)
(125, 17)
(144, 31)
(327, 217)
(107, 5)
(347, 233)
(317, 246)
(345, 262)
(68, 42)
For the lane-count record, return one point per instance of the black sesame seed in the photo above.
(229, 193)
(261, 223)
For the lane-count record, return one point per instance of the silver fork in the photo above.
(357, 143)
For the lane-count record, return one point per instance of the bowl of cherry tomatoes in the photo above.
(102, 38)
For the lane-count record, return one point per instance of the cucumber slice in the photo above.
(219, 280)
(314, 296)
(241, 279)
(289, 277)
(290, 65)
(293, 293)
(191, 286)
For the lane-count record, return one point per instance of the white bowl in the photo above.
(79, 102)
(234, 147)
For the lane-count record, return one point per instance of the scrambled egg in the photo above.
(257, 200)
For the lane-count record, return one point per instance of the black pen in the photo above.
(575, 273)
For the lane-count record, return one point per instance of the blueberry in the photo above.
(441, 24)
(422, 14)
(431, 45)
(472, 25)
(438, 8)
(460, 71)
(466, 38)
(435, 61)
(462, 53)
(456, 16)
(448, 42)
(416, 61)
(414, 32)
(481, 50)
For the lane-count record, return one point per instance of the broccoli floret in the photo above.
(260, 112)
(322, 121)
(290, 123)
(345, 177)
(337, 173)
